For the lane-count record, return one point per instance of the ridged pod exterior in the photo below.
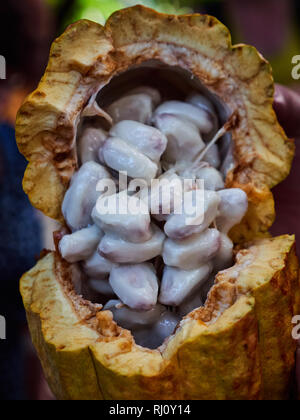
(239, 346)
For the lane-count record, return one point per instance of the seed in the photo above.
(82, 195)
(97, 266)
(120, 156)
(101, 286)
(120, 220)
(89, 143)
(178, 284)
(147, 90)
(148, 140)
(224, 257)
(135, 285)
(181, 226)
(137, 107)
(233, 207)
(195, 115)
(134, 320)
(213, 180)
(118, 250)
(193, 252)
(163, 329)
(80, 245)
(184, 139)
(213, 156)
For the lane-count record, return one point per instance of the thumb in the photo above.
(287, 108)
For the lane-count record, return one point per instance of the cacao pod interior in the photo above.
(173, 83)
(238, 336)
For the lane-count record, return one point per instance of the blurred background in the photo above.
(26, 31)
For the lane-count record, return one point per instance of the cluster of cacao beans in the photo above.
(151, 266)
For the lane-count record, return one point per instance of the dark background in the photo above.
(27, 28)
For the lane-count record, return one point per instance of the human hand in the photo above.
(287, 194)
(287, 107)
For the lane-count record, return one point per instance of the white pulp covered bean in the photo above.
(200, 101)
(212, 156)
(80, 245)
(136, 285)
(147, 90)
(149, 328)
(190, 305)
(191, 113)
(193, 252)
(89, 143)
(131, 227)
(163, 329)
(181, 226)
(82, 195)
(117, 250)
(224, 257)
(97, 267)
(146, 339)
(177, 285)
(184, 139)
(135, 107)
(213, 180)
(233, 207)
(148, 140)
(101, 286)
(163, 195)
(134, 320)
(121, 156)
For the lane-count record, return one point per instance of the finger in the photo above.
(287, 108)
